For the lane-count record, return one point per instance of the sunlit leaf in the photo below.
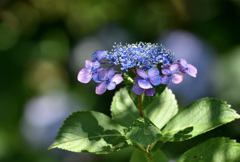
(197, 118)
(90, 132)
(162, 108)
(159, 109)
(213, 150)
(123, 109)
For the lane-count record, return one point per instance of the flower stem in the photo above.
(140, 105)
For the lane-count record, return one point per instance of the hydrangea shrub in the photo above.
(145, 113)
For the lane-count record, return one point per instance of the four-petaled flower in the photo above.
(187, 68)
(143, 82)
(90, 71)
(138, 90)
(108, 80)
(171, 73)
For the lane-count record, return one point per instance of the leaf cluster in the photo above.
(162, 122)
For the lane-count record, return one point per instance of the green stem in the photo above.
(140, 105)
(147, 151)
(149, 157)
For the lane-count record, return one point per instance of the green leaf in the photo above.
(197, 118)
(159, 109)
(141, 156)
(162, 108)
(90, 132)
(214, 150)
(123, 109)
(143, 132)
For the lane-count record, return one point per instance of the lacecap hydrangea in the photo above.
(149, 64)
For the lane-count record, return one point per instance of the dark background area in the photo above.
(44, 44)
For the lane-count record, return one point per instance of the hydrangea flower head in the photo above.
(145, 61)
(140, 55)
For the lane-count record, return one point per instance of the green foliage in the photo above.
(123, 108)
(197, 118)
(141, 156)
(143, 132)
(90, 132)
(94, 132)
(162, 108)
(214, 150)
(159, 109)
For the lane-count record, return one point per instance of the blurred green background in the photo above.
(44, 43)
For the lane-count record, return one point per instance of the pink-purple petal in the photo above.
(84, 76)
(183, 62)
(153, 72)
(111, 72)
(165, 70)
(174, 68)
(111, 86)
(177, 78)
(150, 92)
(102, 74)
(165, 79)
(117, 78)
(137, 90)
(95, 78)
(88, 64)
(156, 80)
(99, 55)
(96, 64)
(144, 84)
(142, 73)
(101, 88)
(136, 79)
(191, 70)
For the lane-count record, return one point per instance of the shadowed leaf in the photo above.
(140, 156)
(143, 132)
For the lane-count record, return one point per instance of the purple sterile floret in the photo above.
(145, 79)
(99, 55)
(187, 68)
(90, 71)
(171, 73)
(108, 80)
(138, 90)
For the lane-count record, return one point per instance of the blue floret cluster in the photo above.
(140, 55)
(152, 64)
